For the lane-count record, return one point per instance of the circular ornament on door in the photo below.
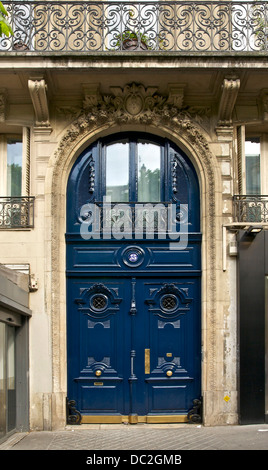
(98, 302)
(169, 302)
(133, 256)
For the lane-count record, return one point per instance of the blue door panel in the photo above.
(168, 316)
(154, 256)
(100, 398)
(171, 399)
(112, 340)
(133, 304)
(96, 322)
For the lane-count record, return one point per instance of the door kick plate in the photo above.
(117, 419)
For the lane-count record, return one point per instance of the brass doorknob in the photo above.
(98, 373)
(169, 373)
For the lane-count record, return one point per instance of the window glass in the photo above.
(14, 167)
(117, 172)
(252, 153)
(148, 172)
(141, 163)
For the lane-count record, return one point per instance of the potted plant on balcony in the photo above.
(130, 40)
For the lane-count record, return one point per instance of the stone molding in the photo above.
(230, 89)
(263, 104)
(38, 91)
(3, 105)
(136, 107)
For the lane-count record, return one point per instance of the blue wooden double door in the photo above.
(133, 298)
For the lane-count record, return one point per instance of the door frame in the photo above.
(187, 262)
(193, 141)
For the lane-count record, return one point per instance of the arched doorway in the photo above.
(133, 281)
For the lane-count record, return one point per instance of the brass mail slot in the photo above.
(98, 383)
(147, 361)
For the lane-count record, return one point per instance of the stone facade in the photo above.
(200, 104)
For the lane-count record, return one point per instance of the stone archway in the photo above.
(130, 108)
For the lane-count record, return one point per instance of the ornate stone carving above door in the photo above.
(136, 103)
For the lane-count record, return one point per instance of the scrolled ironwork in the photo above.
(115, 218)
(73, 415)
(251, 209)
(16, 212)
(195, 414)
(186, 26)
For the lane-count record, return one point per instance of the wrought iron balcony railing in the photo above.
(180, 26)
(16, 212)
(251, 209)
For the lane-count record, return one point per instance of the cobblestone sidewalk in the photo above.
(143, 437)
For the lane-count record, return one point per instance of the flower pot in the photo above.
(20, 46)
(133, 45)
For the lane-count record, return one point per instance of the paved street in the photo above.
(143, 437)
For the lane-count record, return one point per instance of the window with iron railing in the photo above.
(251, 205)
(16, 204)
(16, 212)
(251, 209)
